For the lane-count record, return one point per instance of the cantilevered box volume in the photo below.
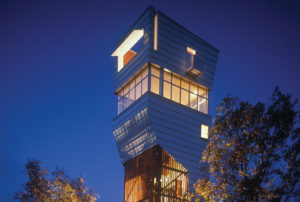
(163, 76)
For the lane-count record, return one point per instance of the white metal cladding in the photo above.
(153, 119)
(156, 120)
(145, 22)
(177, 129)
(173, 39)
(132, 130)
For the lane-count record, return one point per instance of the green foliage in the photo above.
(253, 152)
(59, 187)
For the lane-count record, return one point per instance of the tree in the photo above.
(59, 187)
(253, 152)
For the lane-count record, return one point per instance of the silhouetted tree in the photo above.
(253, 152)
(59, 187)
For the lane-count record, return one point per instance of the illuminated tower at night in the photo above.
(163, 76)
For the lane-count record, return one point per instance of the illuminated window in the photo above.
(132, 91)
(204, 131)
(144, 81)
(173, 87)
(184, 92)
(120, 102)
(167, 76)
(126, 51)
(167, 90)
(154, 85)
(128, 56)
(184, 97)
(175, 93)
(176, 80)
(138, 90)
(185, 85)
(202, 105)
(137, 87)
(155, 32)
(155, 78)
(193, 101)
(167, 85)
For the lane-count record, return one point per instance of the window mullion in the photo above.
(180, 91)
(161, 82)
(149, 77)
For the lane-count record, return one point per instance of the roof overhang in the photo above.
(129, 42)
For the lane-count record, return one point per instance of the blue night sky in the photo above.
(56, 99)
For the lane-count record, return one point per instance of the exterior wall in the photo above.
(173, 39)
(155, 176)
(145, 21)
(176, 128)
(132, 132)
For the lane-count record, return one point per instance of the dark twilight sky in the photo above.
(56, 99)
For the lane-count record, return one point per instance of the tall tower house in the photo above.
(163, 76)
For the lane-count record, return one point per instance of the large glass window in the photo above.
(175, 93)
(167, 90)
(173, 87)
(155, 77)
(133, 91)
(184, 92)
(184, 97)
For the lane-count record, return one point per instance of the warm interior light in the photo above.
(190, 50)
(166, 70)
(126, 45)
(202, 101)
(204, 131)
(155, 32)
(193, 97)
(128, 56)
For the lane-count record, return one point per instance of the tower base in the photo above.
(155, 176)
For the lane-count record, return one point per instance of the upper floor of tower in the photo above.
(157, 54)
(156, 38)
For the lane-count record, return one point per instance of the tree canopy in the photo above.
(253, 152)
(56, 187)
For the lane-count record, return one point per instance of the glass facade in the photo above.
(155, 176)
(139, 119)
(155, 80)
(137, 87)
(184, 92)
(174, 179)
(166, 84)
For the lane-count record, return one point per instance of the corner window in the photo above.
(204, 131)
(155, 80)
(137, 87)
(184, 92)
(165, 83)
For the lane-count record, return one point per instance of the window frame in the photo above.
(202, 130)
(188, 88)
(124, 98)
